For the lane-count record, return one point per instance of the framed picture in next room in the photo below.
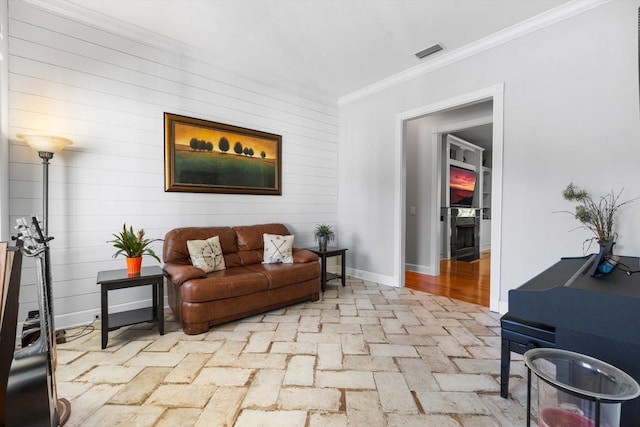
(207, 157)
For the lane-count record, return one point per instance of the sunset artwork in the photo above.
(462, 184)
(204, 156)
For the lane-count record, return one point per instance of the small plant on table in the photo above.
(324, 233)
(133, 246)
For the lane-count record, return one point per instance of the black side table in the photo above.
(120, 279)
(330, 252)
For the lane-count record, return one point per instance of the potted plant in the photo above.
(133, 246)
(324, 233)
(595, 215)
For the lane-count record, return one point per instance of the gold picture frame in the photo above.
(208, 157)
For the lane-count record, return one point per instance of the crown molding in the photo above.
(513, 32)
(106, 23)
(163, 43)
(167, 44)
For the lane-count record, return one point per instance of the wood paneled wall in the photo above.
(107, 91)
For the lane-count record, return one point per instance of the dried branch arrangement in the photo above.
(595, 215)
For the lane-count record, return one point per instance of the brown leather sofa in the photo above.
(246, 287)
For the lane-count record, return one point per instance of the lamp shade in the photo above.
(46, 143)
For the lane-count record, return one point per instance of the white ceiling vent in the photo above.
(430, 50)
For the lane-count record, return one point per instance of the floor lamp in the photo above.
(47, 146)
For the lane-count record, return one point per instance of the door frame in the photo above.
(493, 93)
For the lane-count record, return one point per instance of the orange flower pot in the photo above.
(133, 265)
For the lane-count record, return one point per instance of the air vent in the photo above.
(430, 50)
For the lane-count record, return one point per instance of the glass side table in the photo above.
(576, 390)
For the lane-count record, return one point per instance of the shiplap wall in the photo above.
(107, 92)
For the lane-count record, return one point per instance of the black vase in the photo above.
(606, 248)
(322, 243)
(598, 267)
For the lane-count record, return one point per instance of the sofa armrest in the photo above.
(180, 273)
(303, 255)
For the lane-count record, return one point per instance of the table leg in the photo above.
(505, 363)
(324, 272)
(344, 269)
(528, 397)
(160, 305)
(104, 316)
(154, 300)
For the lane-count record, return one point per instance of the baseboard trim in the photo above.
(422, 269)
(373, 277)
(85, 317)
(503, 306)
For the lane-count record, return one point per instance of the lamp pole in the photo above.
(45, 156)
(46, 146)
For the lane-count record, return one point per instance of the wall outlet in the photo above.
(96, 316)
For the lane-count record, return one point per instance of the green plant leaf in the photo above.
(133, 245)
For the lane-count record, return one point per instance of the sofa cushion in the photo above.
(287, 274)
(223, 284)
(250, 236)
(304, 255)
(206, 254)
(175, 244)
(278, 248)
(180, 273)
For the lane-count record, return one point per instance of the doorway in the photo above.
(494, 95)
(464, 281)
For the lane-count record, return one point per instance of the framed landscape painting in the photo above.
(209, 157)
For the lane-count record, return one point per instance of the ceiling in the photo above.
(481, 136)
(328, 47)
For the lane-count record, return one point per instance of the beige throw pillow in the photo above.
(278, 248)
(206, 254)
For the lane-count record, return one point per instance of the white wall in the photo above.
(571, 114)
(4, 123)
(107, 93)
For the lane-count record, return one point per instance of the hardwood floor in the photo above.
(465, 281)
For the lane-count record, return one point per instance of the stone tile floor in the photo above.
(364, 355)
